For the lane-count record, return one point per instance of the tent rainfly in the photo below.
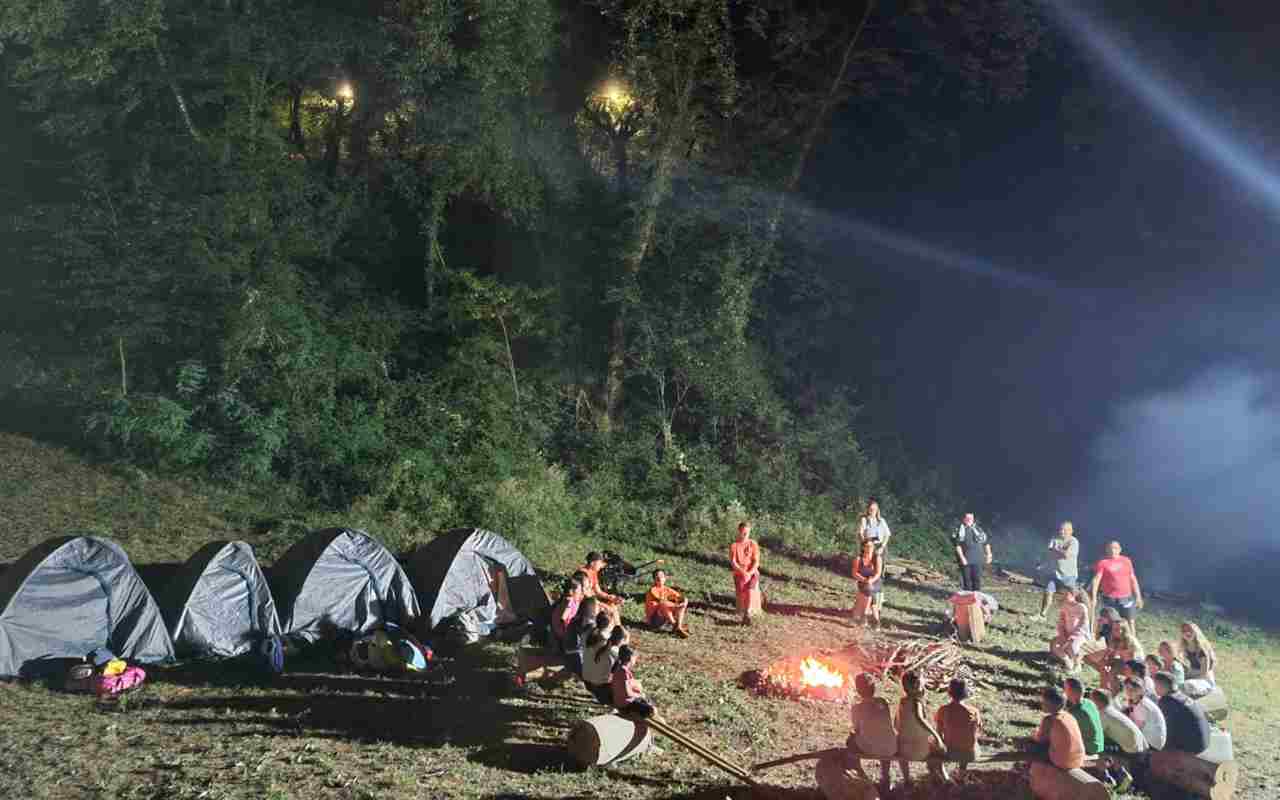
(478, 576)
(73, 594)
(340, 579)
(219, 603)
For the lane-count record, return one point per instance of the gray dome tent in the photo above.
(341, 578)
(73, 594)
(219, 603)
(478, 576)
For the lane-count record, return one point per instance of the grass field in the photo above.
(214, 732)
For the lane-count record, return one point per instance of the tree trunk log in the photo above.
(1204, 778)
(836, 782)
(608, 739)
(971, 622)
(1050, 783)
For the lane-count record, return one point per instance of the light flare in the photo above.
(814, 673)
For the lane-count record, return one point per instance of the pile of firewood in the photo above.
(937, 660)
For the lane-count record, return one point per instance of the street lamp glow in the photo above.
(615, 94)
(345, 92)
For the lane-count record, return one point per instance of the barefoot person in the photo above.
(868, 569)
(628, 694)
(1073, 630)
(973, 552)
(1065, 550)
(665, 606)
(744, 556)
(1114, 575)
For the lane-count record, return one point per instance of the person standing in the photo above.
(868, 569)
(1114, 575)
(973, 551)
(873, 528)
(1065, 548)
(744, 557)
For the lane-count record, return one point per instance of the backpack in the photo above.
(271, 654)
(79, 678)
(120, 682)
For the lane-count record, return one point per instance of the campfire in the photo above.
(829, 675)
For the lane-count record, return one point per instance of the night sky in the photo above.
(1133, 395)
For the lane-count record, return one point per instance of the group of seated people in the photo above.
(1077, 725)
(1111, 648)
(912, 735)
(593, 645)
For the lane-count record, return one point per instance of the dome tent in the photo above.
(219, 603)
(73, 594)
(478, 576)
(341, 578)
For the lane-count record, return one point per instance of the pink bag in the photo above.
(109, 685)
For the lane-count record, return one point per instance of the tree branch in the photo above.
(177, 92)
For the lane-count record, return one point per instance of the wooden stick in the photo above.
(700, 750)
(680, 738)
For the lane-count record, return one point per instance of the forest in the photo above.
(533, 264)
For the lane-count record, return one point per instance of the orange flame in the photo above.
(814, 673)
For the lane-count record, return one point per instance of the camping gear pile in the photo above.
(74, 595)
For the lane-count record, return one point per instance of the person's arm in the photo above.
(917, 708)
(1137, 589)
(958, 538)
(875, 576)
(753, 566)
(1093, 590)
(884, 540)
(988, 546)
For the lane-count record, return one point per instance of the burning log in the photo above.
(829, 676)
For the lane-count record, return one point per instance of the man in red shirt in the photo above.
(1114, 575)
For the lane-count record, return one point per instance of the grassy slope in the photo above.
(211, 733)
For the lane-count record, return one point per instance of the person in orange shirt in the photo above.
(665, 606)
(609, 603)
(744, 556)
(1059, 733)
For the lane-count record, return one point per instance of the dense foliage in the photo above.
(517, 263)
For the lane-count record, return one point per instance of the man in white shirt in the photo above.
(1145, 713)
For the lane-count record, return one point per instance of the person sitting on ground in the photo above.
(628, 694)
(598, 660)
(868, 570)
(575, 636)
(1086, 716)
(604, 623)
(873, 734)
(1119, 733)
(1118, 730)
(1059, 734)
(1170, 663)
(664, 605)
(1065, 548)
(1122, 649)
(1187, 727)
(1145, 713)
(1197, 653)
(566, 608)
(608, 602)
(1073, 630)
(959, 723)
(973, 552)
(918, 740)
(1137, 669)
(1095, 650)
(1114, 575)
(744, 558)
